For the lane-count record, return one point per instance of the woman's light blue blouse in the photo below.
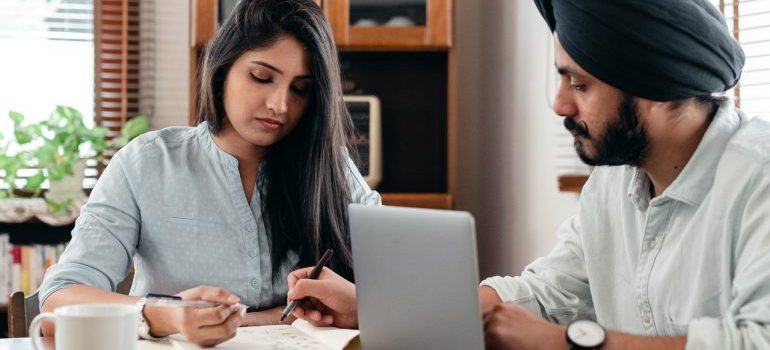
(171, 202)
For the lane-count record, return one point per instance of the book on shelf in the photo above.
(22, 267)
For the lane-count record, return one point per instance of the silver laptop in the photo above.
(416, 278)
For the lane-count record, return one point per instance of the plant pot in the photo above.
(69, 186)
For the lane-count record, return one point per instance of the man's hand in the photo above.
(331, 298)
(204, 327)
(488, 297)
(508, 326)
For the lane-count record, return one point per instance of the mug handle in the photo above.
(34, 329)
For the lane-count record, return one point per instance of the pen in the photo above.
(199, 304)
(313, 275)
(176, 301)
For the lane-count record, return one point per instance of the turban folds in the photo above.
(662, 50)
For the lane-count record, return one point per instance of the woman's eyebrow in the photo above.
(271, 67)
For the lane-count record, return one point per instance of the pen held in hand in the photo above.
(198, 304)
(313, 275)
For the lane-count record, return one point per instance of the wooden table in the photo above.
(23, 343)
(26, 344)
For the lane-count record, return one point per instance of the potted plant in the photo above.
(57, 147)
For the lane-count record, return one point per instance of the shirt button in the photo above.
(253, 253)
(651, 243)
(249, 227)
(646, 319)
(255, 283)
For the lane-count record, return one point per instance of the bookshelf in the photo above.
(29, 233)
(411, 69)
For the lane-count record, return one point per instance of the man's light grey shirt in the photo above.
(693, 261)
(172, 203)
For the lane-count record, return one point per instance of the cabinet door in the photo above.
(375, 24)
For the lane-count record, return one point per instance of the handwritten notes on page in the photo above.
(300, 335)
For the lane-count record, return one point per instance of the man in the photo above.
(670, 248)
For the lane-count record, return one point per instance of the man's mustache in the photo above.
(575, 127)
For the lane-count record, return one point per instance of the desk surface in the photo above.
(26, 344)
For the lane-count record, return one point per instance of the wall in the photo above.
(169, 66)
(507, 133)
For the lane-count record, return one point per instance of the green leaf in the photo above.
(16, 117)
(71, 145)
(61, 207)
(46, 155)
(11, 165)
(68, 168)
(55, 173)
(23, 137)
(99, 131)
(5, 161)
(55, 207)
(99, 145)
(68, 113)
(135, 127)
(34, 181)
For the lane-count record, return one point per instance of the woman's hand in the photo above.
(331, 299)
(202, 326)
(266, 317)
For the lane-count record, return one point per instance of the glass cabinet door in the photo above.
(375, 24)
(388, 13)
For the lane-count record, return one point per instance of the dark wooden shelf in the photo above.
(419, 200)
(572, 183)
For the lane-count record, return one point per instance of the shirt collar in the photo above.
(694, 182)
(207, 139)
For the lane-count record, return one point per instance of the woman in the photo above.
(259, 187)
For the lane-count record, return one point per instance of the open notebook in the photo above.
(300, 335)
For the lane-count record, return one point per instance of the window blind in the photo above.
(116, 62)
(749, 21)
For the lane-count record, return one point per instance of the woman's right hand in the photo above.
(332, 299)
(202, 326)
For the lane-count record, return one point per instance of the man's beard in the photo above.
(624, 141)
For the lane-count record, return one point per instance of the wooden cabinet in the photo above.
(397, 24)
(400, 51)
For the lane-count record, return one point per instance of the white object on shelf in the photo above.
(373, 174)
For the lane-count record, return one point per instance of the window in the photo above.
(80, 53)
(48, 58)
(749, 21)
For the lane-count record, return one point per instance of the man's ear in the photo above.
(646, 108)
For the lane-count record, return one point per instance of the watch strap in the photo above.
(144, 327)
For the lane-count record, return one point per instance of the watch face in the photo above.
(585, 333)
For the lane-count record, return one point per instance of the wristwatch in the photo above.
(585, 335)
(144, 327)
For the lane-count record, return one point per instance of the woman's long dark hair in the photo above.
(302, 178)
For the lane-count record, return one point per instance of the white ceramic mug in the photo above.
(90, 327)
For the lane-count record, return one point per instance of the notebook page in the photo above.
(334, 338)
(282, 337)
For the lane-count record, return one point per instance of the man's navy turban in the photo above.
(663, 50)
